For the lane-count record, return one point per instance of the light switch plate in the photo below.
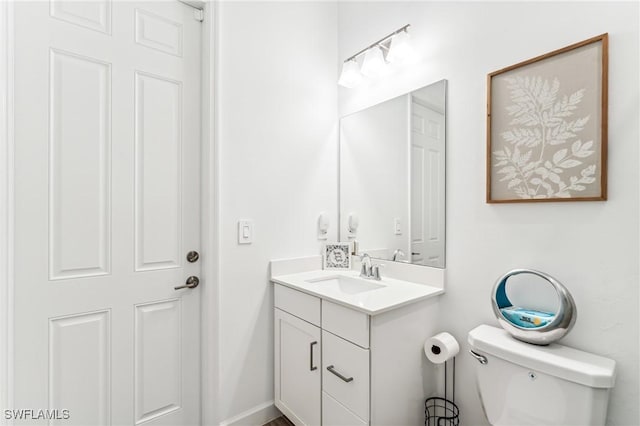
(245, 231)
(397, 226)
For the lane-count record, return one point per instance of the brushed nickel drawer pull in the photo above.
(311, 366)
(345, 379)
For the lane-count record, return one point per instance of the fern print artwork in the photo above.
(546, 140)
(543, 155)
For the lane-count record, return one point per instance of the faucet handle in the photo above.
(365, 271)
(375, 271)
(365, 265)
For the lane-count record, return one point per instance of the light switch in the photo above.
(397, 226)
(245, 232)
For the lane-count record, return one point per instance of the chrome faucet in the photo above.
(368, 270)
(398, 253)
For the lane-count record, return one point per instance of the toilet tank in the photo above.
(524, 384)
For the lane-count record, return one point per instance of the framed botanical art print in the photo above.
(547, 126)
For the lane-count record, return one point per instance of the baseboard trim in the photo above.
(256, 416)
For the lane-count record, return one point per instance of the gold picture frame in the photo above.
(547, 126)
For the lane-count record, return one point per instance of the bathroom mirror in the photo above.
(392, 177)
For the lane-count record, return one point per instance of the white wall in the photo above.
(277, 131)
(592, 247)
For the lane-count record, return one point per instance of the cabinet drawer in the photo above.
(343, 358)
(336, 414)
(346, 323)
(297, 303)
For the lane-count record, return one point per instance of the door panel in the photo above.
(107, 129)
(427, 194)
(158, 123)
(417, 201)
(157, 32)
(79, 370)
(157, 379)
(95, 15)
(79, 214)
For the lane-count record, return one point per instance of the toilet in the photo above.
(524, 384)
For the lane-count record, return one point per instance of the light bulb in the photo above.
(400, 49)
(350, 76)
(373, 63)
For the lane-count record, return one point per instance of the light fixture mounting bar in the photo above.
(378, 43)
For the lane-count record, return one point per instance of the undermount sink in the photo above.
(346, 285)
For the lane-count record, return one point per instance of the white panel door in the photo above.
(297, 352)
(107, 129)
(427, 188)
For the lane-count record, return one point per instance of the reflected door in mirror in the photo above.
(427, 184)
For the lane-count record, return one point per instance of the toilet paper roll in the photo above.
(441, 347)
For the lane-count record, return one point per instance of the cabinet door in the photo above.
(297, 369)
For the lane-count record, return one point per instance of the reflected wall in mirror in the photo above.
(392, 177)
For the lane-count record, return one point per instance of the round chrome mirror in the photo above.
(532, 320)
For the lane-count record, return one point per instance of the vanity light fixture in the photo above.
(400, 49)
(351, 75)
(395, 47)
(373, 63)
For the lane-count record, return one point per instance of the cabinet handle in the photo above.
(332, 370)
(311, 367)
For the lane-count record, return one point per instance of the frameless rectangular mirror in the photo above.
(392, 177)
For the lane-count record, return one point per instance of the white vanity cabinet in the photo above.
(337, 366)
(297, 353)
(298, 377)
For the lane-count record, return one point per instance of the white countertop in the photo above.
(392, 294)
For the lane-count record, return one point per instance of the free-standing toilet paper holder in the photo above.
(440, 411)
